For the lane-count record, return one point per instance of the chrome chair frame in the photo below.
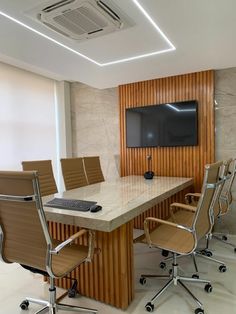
(51, 306)
(174, 277)
(205, 253)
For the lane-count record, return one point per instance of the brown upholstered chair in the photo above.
(182, 238)
(93, 169)
(25, 239)
(45, 173)
(73, 173)
(186, 217)
(222, 204)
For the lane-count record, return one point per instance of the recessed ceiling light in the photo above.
(136, 2)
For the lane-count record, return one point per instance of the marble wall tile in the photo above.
(225, 121)
(225, 83)
(95, 125)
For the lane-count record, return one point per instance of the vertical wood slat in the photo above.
(186, 161)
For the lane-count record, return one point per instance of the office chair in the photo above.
(47, 187)
(225, 201)
(186, 218)
(182, 239)
(222, 204)
(73, 173)
(25, 239)
(45, 174)
(93, 169)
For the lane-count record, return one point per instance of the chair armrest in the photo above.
(183, 206)
(72, 238)
(161, 221)
(189, 197)
(165, 222)
(193, 194)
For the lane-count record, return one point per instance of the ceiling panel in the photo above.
(202, 32)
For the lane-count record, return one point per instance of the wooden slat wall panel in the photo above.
(186, 161)
(109, 277)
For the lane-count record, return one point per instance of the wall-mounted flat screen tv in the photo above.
(172, 124)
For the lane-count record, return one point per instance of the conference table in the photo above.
(109, 278)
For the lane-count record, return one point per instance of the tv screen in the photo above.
(172, 124)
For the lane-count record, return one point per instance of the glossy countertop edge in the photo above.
(96, 221)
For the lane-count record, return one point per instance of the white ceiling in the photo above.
(203, 33)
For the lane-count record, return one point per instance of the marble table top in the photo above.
(121, 199)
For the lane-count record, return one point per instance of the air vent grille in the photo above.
(56, 29)
(80, 21)
(57, 5)
(83, 19)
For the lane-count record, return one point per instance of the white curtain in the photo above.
(27, 118)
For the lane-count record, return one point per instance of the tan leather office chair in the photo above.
(222, 204)
(25, 239)
(93, 169)
(192, 201)
(73, 173)
(182, 238)
(45, 174)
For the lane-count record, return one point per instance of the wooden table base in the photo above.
(109, 278)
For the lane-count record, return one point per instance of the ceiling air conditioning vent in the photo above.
(83, 19)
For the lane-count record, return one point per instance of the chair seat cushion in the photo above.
(68, 258)
(173, 239)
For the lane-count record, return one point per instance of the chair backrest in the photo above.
(93, 169)
(22, 237)
(222, 175)
(73, 173)
(225, 198)
(45, 174)
(203, 217)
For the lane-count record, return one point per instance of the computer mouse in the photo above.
(95, 208)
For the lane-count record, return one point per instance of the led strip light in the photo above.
(171, 46)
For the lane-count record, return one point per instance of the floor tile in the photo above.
(16, 283)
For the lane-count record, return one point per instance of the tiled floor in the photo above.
(16, 283)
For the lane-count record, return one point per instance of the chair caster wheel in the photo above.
(170, 272)
(162, 265)
(206, 253)
(208, 288)
(165, 253)
(222, 268)
(224, 238)
(195, 276)
(235, 250)
(209, 253)
(149, 307)
(73, 290)
(142, 280)
(72, 293)
(24, 305)
(199, 311)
